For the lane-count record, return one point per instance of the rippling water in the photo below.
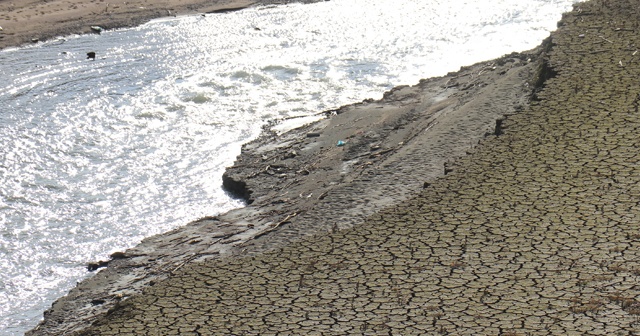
(96, 155)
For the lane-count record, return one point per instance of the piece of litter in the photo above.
(97, 29)
(341, 143)
(620, 63)
(634, 53)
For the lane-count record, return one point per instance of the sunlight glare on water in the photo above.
(96, 155)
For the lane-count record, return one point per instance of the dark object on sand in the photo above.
(91, 55)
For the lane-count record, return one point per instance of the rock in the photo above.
(290, 155)
(119, 255)
(94, 266)
(236, 188)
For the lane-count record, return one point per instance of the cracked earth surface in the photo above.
(534, 233)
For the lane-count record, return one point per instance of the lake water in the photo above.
(97, 155)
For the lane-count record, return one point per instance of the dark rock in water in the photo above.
(94, 266)
(91, 55)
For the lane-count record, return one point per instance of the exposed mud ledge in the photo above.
(305, 182)
(236, 188)
(544, 70)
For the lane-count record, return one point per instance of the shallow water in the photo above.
(96, 155)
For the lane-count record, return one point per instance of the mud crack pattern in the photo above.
(534, 233)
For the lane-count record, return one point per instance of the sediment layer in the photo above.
(533, 232)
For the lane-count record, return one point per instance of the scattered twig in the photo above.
(602, 37)
(326, 113)
(275, 226)
(193, 257)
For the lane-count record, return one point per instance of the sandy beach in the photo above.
(501, 199)
(30, 21)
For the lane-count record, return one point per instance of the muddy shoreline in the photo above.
(533, 232)
(326, 176)
(417, 229)
(31, 21)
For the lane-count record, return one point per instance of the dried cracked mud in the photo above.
(533, 233)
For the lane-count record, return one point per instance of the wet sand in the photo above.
(498, 200)
(29, 21)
